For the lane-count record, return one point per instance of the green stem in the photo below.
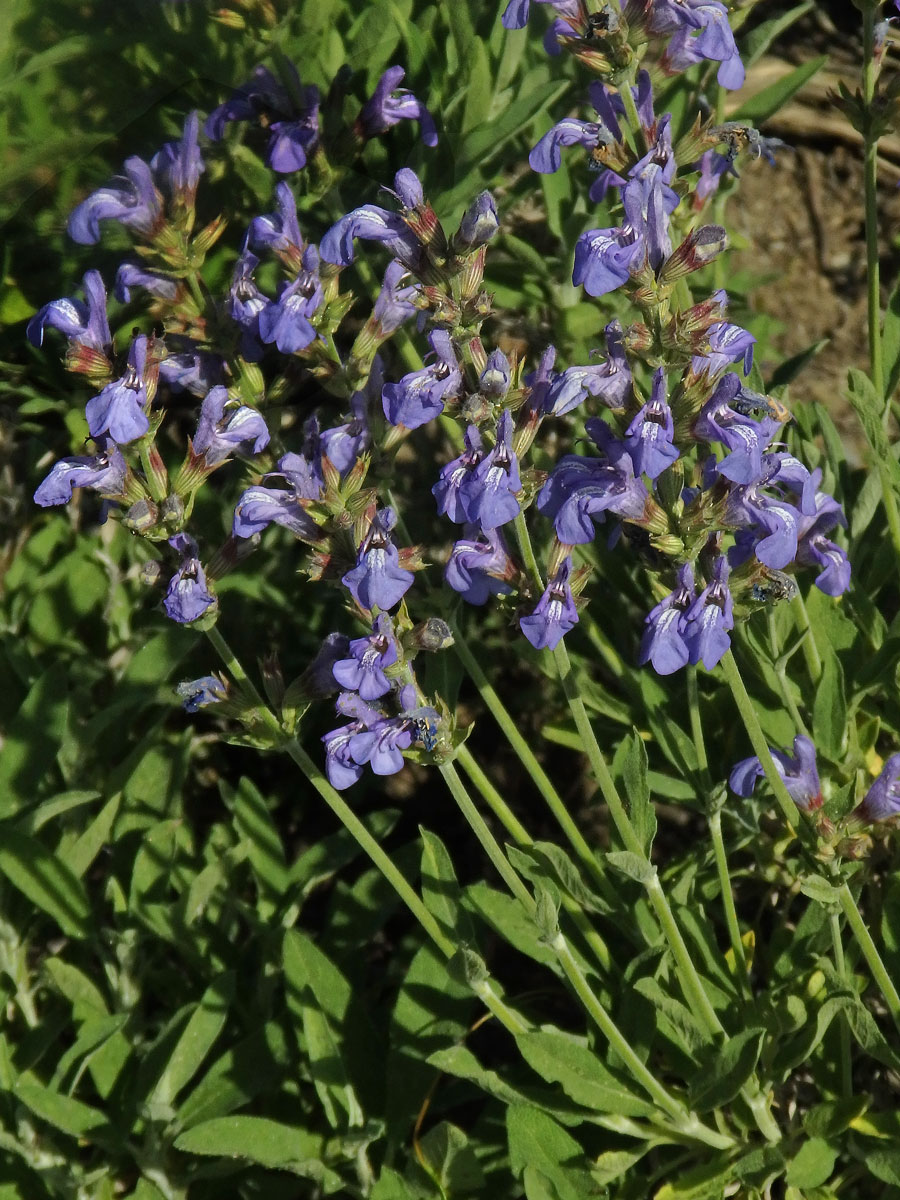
(527, 551)
(495, 801)
(696, 724)
(538, 776)
(784, 684)
(810, 649)
(633, 117)
(690, 980)
(348, 818)
(845, 1063)
(741, 970)
(501, 810)
(870, 953)
(488, 842)
(686, 1122)
(870, 169)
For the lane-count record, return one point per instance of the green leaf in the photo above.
(318, 995)
(820, 890)
(884, 1165)
(251, 1068)
(391, 1186)
(478, 85)
(830, 707)
(537, 1142)
(460, 1062)
(32, 739)
(440, 889)
(724, 1074)
(432, 1011)
(890, 341)
(259, 1140)
(757, 42)
(812, 1165)
(787, 371)
(631, 865)
(767, 102)
(83, 994)
(507, 918)
(196, 1041)
(834, 1116)
(630, 766)
(46, 881)
(450, 1160)
(862, 395)
(266, 853)
(80, 856)
(565, 1059)
(62, 1112)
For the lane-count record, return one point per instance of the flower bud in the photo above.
(142, 515)
(478, 225)
(697, 250)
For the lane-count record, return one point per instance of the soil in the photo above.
(804, 219)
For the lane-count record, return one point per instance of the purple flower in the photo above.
(663, 644)
(294, 131)
(581, 490)
(649, 437)
(121, 408)
(200, 693)
(394, 304)
(84, 324)
(709, 620)
(815, 550)
(341, 767)
(720, 420)
(286, 322)
(799, 774)
(363, 671)
(132, 200)
(225, 425)
(495, 377)
(280, 230)
(178, 165)
(419, 396)
(343, 444)
(261, 506)
(187, 597)
(712, 167)
(555, 613)
(448, 491)
(479, 223)
(245, 302)
(132, 275)
(773, 516)
(194, 371)
(377, 581)
(727, 343)
(604, 258)
(390, 104)
(610, 380)
(882, 800)
(378, 225)
(540, 382)
(515, 15)
(546, 156)
(479, 566)
(489, 492)
(104, 472)
(700, 31)
(380, 746)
